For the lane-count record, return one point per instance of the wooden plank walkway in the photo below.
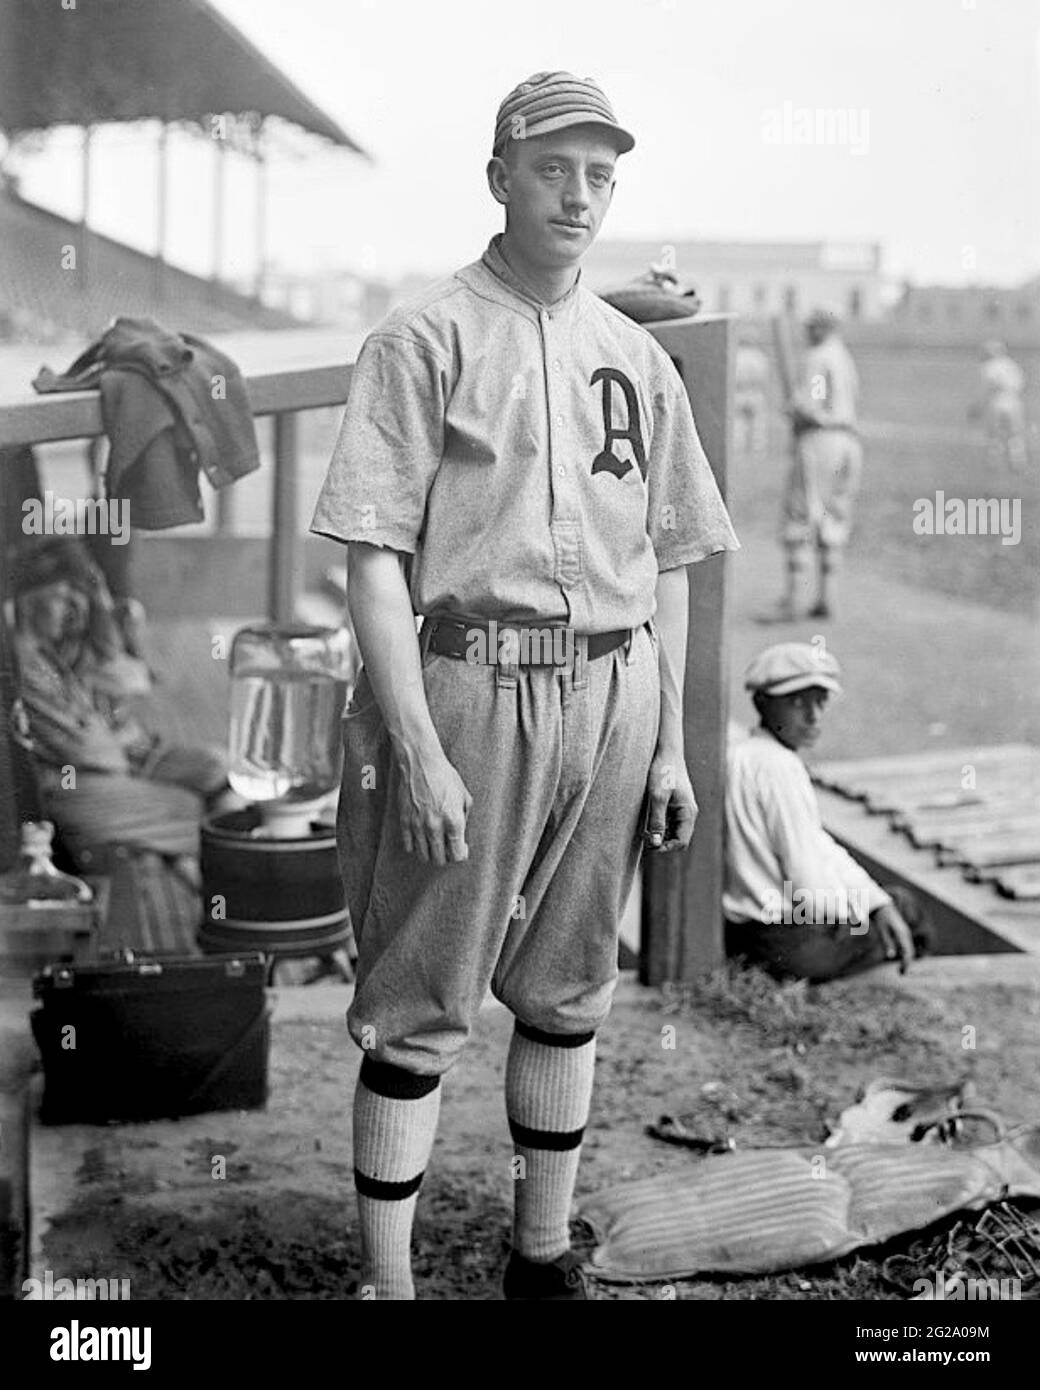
(978, 808)
(151, 910)
(960, 826)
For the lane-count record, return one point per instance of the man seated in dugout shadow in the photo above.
(795, 902)
(105, 778)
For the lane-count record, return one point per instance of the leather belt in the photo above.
(493, 643)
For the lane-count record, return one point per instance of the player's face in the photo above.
(558, 190)
(796, 719)
(817, 333)
(56, 612)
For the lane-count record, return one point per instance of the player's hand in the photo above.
(896, 935)
(671, 804)
(433, 805)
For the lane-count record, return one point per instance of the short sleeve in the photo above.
(686, 516)
(810, 859)
(389, 446)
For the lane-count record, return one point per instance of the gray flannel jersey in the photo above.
(538, 461)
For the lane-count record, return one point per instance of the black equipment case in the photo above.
(142, 1038)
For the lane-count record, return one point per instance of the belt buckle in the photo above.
(564, 642)
(523, 644)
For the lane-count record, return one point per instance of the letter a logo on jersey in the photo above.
(606, 461)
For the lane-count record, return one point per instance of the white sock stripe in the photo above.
(392, 1142)
(386, 1237)
(549, 1088)
(393, 1138)
(542, 1202)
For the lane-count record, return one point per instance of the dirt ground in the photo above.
(762, 1064)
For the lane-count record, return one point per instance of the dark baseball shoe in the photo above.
(560, 1280)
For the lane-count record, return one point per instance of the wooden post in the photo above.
(260, 155)
(117, 563)
(226, 511)
(219, 190)
(84, 221)
(286, 555)
(682, 894)
(19, 792)
(162, 199)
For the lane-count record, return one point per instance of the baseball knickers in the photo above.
(556, 763)
(822, 488)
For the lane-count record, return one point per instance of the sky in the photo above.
(935, 105)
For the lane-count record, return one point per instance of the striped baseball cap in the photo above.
(549, 101)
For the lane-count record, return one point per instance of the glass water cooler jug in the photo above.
(288, 690)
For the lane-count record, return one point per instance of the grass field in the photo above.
(918, 440)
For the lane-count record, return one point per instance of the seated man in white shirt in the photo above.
(795, 902)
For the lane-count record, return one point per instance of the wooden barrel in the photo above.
(282, 897)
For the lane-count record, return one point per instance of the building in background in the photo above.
(332, 298)
(969, 314)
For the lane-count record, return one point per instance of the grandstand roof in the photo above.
(41, 301)
(124, 60)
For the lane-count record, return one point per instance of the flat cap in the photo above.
(549, 101)
(791, 666)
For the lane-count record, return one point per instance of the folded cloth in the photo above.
(173, 405)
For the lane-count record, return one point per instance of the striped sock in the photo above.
(395, 1120)
(548, 1091)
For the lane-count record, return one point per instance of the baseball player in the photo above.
(751, 398)
(796, 902)
(1001, 407)
(825, 473)
(517, 464)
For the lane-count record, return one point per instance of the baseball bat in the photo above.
(785, 356)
